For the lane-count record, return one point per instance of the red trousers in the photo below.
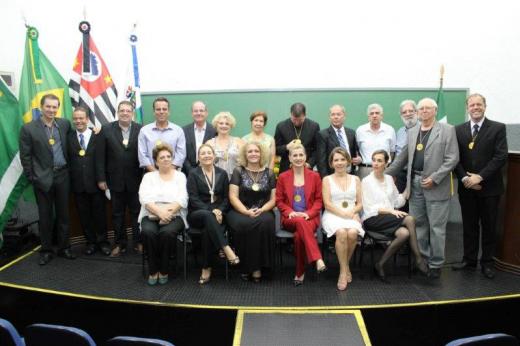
(305, 244)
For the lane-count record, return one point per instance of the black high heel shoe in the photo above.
(298, 281)
(378, 270)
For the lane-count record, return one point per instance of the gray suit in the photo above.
(430, 207)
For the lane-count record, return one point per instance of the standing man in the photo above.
(430, 155)
(373, 136)
(408, 112)
(483, 153)
(196, 133)
(117, 169)
(43, 154)
(336, 135)
(158, 132)
(90, 200)
(296, 130)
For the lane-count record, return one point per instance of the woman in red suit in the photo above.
(298, 198)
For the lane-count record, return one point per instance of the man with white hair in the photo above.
(430, 155)
(375, 135)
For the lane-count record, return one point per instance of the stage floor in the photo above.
(121, 279)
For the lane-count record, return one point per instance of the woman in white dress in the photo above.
(342, 200)
(227, 147)
(381, 201)
(258, 122)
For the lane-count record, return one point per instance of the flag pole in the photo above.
(441, 82)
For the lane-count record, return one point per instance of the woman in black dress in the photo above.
(208, 188)
(252, 196)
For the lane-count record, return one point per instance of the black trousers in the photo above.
(92, 216)
(121, 201)
(479, 213)
(54, 202)
(158, 242)
(213, 233)
(400, 183)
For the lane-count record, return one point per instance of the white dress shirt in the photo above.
(370, 141)
(86, 136)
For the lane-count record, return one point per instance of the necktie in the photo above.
(475, 130)
(81, 141)
(340, 139)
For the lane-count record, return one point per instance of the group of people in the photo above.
(201, 176)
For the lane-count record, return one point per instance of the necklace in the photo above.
(298, 134)
(344, 204)
(255, 186)
(420, 145)
(50, 133)
(210, 183)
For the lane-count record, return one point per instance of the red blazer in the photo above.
(285, 193)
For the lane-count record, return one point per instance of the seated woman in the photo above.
(227, 147)
(258, 121)
(164, 199)
(342, 200)
(380, 215)
(298, 197)
(208, 188)
(251, 221)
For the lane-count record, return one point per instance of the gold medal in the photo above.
(255, 187)
(297, 198)
(82, 152)
(51, 141)
(297, 141)
(420, 147)
(344, 204)
(158, 142)
(471, 145)
(125, 142)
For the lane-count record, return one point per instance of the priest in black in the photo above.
(296, 129)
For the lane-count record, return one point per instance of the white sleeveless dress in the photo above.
(331, 222)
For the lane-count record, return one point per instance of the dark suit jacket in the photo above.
(82, 168)
(198, 191)
(285, 194)
(487, 158)
(328, 140)
(115, 164)
(36, 152)
(285, 133)
(191, 145)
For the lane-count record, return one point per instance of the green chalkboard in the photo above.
(277, 103)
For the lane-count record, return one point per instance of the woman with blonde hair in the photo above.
(226, 146)
(251, 220)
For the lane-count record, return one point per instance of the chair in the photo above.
(196, 233)
(9, 335)
(372, 239)
(498, 339)
(40, 334)
(135, 341)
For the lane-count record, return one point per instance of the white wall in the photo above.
(207, 45)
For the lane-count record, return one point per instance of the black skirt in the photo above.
(384, 224)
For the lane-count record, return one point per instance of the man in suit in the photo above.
(336, 135)
(117, 169)
(43, 154)
(483, 153)
(430, 155)
(196, 133)
(90, 200)
(372, 136)
(296, 130)
(161, 131)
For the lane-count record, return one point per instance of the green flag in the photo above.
(39, 77)
(441, 107)
(12, 181)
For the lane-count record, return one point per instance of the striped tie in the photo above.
(81, 141)
(340, 139)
